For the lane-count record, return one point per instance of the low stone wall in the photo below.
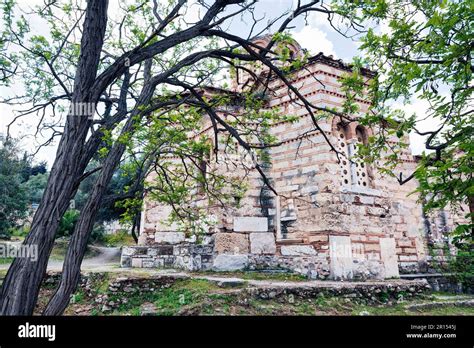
(192, 257)
(120, 289)
(313, 267)
(441, 282)
(367, 292)
(187, 256)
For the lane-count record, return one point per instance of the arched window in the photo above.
(362, 176)
(354, 172)
(342, 147)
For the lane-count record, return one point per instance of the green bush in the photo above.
(66, 226)
(97, 234)
(120, 238)
(462, 266)
(5, 234)
(20, 232)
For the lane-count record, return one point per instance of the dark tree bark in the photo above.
(136, 226)
(77, 246)
(21, 285)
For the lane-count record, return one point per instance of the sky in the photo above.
(316, 36)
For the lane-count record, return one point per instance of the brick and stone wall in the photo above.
(333, 218)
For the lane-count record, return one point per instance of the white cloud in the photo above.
(314, 40)
(424, 123)
(320, 20)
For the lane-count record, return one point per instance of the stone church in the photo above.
(331, 219)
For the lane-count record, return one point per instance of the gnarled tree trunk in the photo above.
(21, 285)
(77, 246)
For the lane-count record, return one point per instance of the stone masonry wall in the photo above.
(333, 218)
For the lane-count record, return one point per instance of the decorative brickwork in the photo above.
(333, 218)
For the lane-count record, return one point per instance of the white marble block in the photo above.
(262, 243)
(340, 253)
(250, 224)
(389, 258)
(170, 237)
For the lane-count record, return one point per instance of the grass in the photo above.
(3, 273)
(256, 275)
(169, 301)
(202, 297)
(118, 239)
(60, 248)
(6, 260)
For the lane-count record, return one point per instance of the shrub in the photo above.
(66, 226)
(20, 232)
(462, 265)
(121, 237)
(98, 233)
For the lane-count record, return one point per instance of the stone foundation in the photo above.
(192, 257)
(188, 257)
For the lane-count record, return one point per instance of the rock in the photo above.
(341, 257)
(128, 289)
(262, 243)
(227, 282)
(250, 224)
(136, 262)
(142, 239)
(297, 250)
(225, 262)
(389, 258)
(312, 274)
(148, 308)
(231, 243)
(128, 251)
(170, 237)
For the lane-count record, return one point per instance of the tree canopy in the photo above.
(422, 53)
(13, 195)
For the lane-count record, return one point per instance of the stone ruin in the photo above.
(332, 219)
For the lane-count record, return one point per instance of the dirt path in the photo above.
(106, 260)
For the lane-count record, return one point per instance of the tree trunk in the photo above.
(136, 226)
(77, 246)
(21, 285)
(471, 209)
(78, 243)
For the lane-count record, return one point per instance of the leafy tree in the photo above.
(130, 67)
(35, 187)
(425, 51)
(40, 168)
(13, 196)
(68, 221)
(109, 210)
